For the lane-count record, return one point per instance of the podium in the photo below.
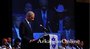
(48, 41)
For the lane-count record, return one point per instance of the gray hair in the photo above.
(29, 13)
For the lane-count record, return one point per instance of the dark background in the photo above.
(81, 20)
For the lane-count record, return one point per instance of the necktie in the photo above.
(30, 26)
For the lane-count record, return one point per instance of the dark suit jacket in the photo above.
(26, 34)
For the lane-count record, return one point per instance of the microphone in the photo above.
(43, 27)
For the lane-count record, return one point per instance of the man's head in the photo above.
(64, 42)
(30, 16)
(9, 40)
(4, 41)
(71, 42)
(78, 42)
(81, 43)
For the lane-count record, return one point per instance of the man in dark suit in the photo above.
(26, 32)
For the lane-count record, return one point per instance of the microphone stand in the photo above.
(45, 34)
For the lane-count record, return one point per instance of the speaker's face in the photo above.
(31, 17)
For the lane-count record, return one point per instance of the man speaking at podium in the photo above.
(26, 32)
